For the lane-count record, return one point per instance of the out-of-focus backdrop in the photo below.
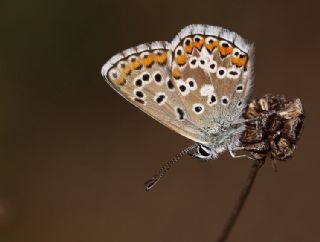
(75, 155)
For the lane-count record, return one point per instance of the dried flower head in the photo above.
(275, 129)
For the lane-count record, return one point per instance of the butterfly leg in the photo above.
(233, 155)
(259, 152)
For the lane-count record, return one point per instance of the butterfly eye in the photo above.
(192, 84)
(212, 99)
(193, 62)
(239, 88)
(221, 72)
(198, 108)
(203, 151)
(225, 100)
(206, 90)
(233, 73)
(183, 88)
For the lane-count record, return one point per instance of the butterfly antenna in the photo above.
(165, 168)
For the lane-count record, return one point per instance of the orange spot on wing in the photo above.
(161, 58)
(176, 73)
(127, 70)
(239, 62)
(181, 59)
(199, 44)
(211, 46)
(120, 81)
(225, 50)
(188, 48)
(147, 61)
(137, 63)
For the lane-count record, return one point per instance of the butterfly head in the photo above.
(222, 137)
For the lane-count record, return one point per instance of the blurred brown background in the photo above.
(75, 155)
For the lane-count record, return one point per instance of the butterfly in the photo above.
(198, 85)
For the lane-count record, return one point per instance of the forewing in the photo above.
(142, 75)
(211, 68)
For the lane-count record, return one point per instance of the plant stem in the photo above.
(241, 201)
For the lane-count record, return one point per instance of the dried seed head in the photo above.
(277, 130)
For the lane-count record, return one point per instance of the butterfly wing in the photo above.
(212, 69)
(142, 75)
(177, 83)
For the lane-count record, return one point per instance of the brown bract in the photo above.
(275, 127)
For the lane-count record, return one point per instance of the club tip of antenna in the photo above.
(151, 183)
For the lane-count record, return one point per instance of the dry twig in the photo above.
(241, 201)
